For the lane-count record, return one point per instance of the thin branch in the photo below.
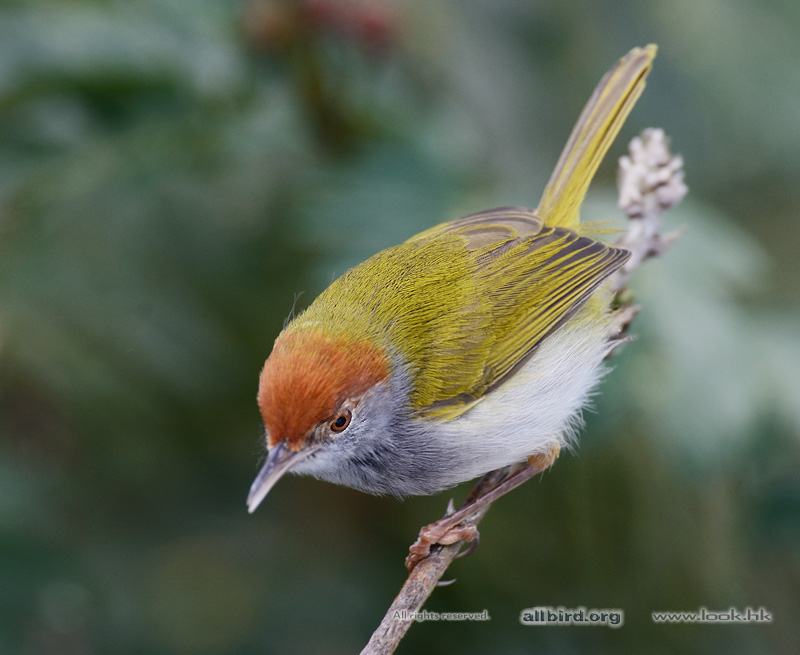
(419, 585)
(650, 181)
(425, 576)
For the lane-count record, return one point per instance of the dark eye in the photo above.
(341, 422)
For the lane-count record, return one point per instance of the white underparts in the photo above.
(540, 405)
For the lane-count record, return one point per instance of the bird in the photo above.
(471, 346)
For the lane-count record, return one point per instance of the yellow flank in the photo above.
(592, 136)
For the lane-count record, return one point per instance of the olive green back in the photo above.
(466, 302)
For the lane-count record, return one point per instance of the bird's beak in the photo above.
(279, 460)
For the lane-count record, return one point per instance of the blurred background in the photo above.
(173, 173)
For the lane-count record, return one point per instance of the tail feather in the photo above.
(592, 136)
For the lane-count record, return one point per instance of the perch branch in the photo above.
(650, 181)
(425, 576)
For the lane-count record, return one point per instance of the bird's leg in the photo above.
(457, 525)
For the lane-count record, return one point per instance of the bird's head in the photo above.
(312, 393)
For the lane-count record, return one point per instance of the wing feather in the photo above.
(532, 278)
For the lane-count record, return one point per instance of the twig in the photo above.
(419, 585)
(425, 576)
(650, 181)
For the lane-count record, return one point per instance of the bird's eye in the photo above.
(341, 422)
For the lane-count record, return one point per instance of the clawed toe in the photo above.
(457, 524)
(444, 533)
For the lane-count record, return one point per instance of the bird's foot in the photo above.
(451, 529)
(457, 525)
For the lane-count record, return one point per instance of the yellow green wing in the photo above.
(532, 278)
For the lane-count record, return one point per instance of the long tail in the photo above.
(592, 136)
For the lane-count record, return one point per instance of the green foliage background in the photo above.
(174, 172)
